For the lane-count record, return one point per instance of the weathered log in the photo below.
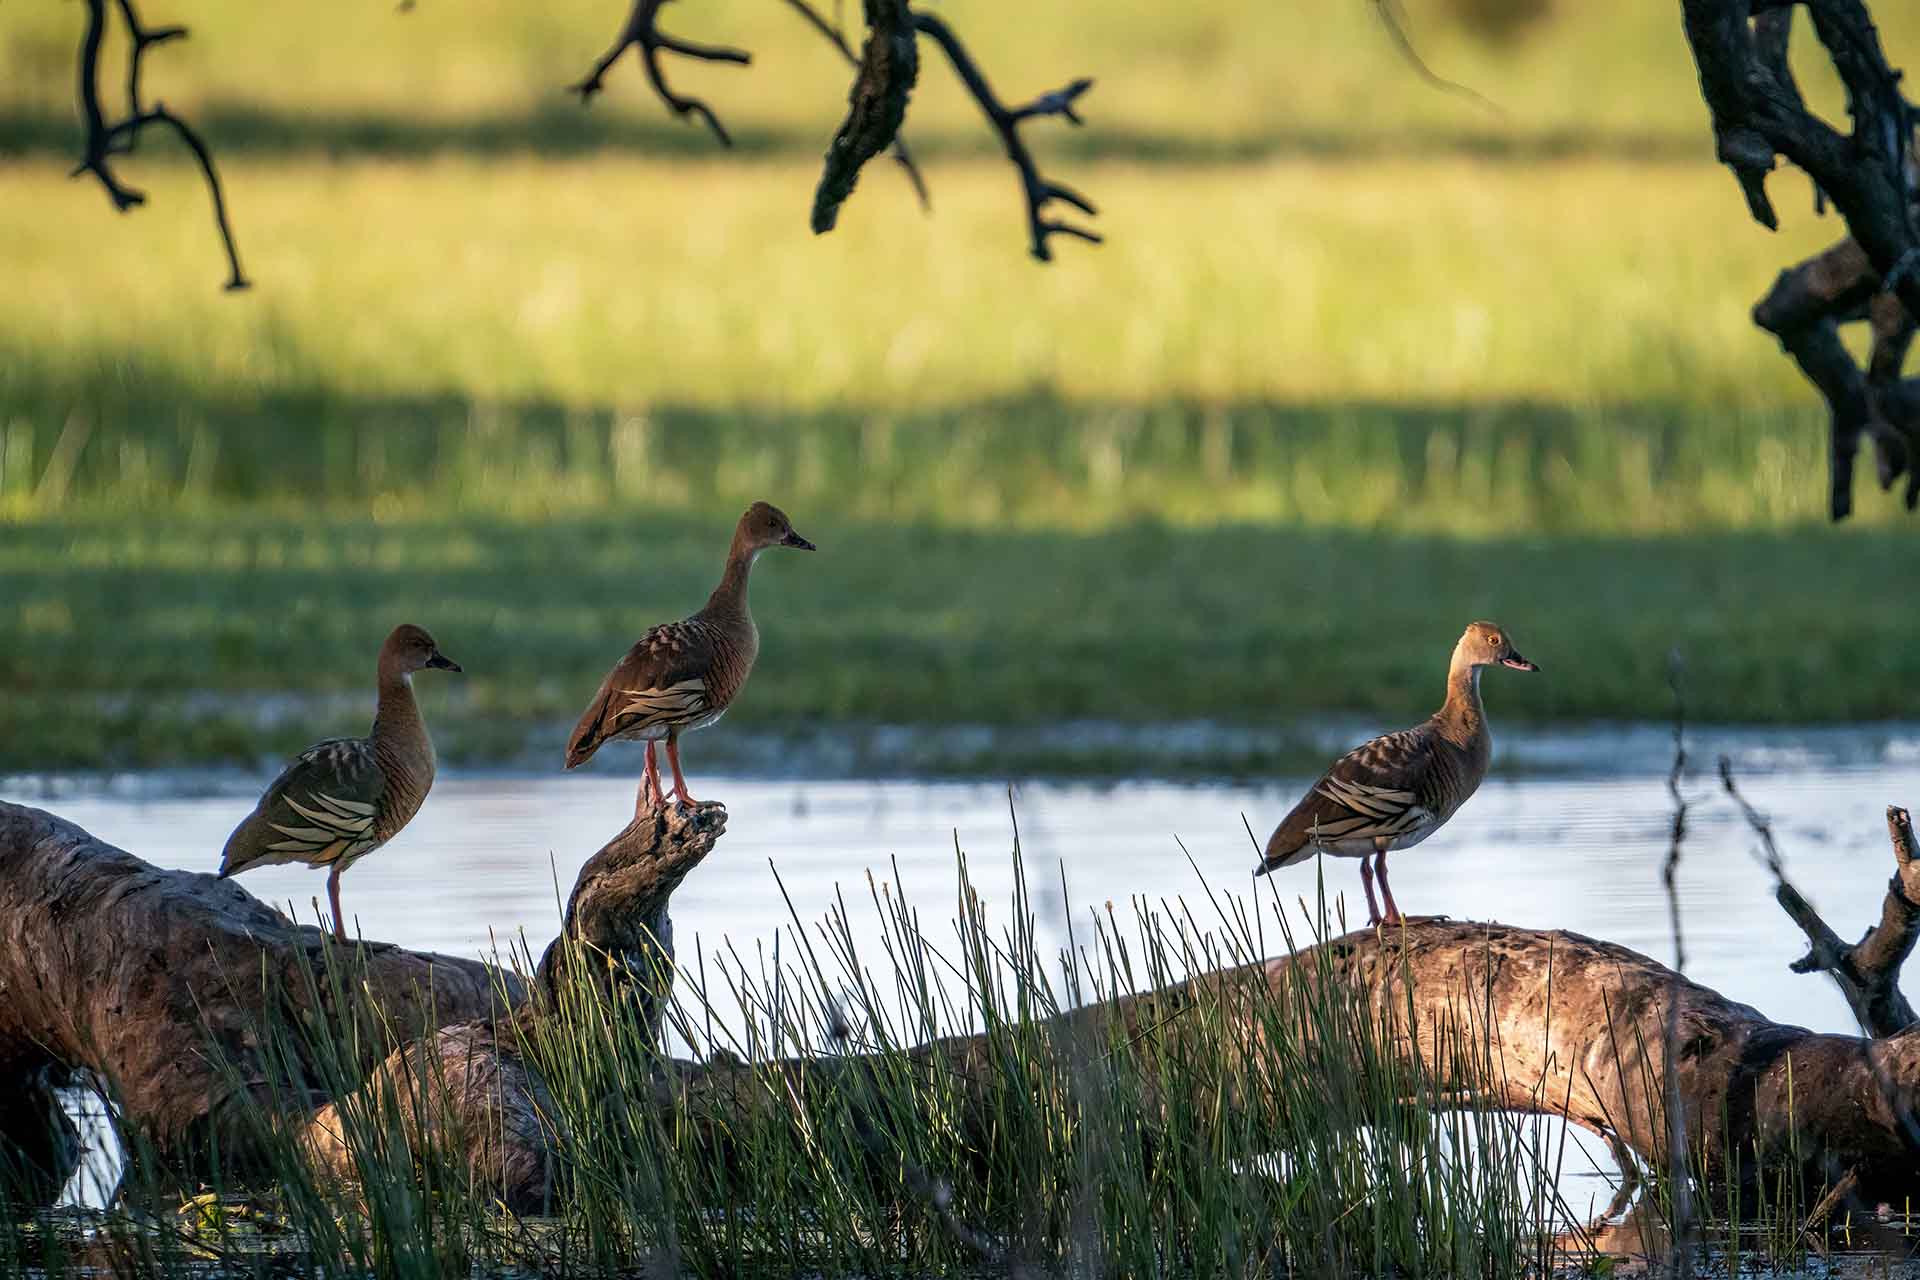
(486, 1099)
(149, 979)
(1579, 1026)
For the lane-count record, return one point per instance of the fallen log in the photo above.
(1579, 1027)
(148, 980)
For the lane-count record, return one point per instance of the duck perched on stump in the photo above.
(1395, 791)
(683, 676)
(341, 799)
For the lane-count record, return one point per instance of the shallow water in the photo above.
(490, 854)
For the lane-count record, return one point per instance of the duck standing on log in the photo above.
(341, 799)
(683, 676)
(1395, 791)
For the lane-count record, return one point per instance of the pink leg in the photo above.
(649, 796)
(333, 897)
(1366, 879)
(1393, 912)
(679, 780)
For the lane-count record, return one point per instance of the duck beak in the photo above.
(1517, 662)
(797, 542)
(442, 662)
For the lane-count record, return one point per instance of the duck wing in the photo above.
(323, 808)
(1381, 790)
(661, 682)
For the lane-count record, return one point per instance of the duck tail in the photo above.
(1276, 855)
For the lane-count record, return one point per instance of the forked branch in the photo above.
(1006, 121)
(642, 31)
(1868, 971)
(106, 138)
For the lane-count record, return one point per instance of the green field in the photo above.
(1341, 380)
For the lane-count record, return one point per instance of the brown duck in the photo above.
(341, 799)
(1395, 791)
(683, 676)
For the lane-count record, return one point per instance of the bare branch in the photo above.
(1868, 971)
(876, 105)
(1804, 309)
(1039, 191)
(1680, 1254)
(106, 139)
(642, 31)
(901, 155)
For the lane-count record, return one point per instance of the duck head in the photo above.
(409, 649)
(765, 525)
(1488, 644)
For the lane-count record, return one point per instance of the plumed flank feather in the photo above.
(1396, 789)
(680, 676)
(323, 808)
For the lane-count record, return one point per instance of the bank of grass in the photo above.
(130, 641)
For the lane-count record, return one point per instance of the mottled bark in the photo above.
(146, 977)
(486, 1098)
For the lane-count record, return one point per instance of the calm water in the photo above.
(1577, 848)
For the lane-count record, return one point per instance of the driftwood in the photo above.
(101, 956)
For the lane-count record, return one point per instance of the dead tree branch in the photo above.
(642, 31)
(1868, 971)
(876, 105)
(1006, 122)
(1740, 48)
(106, 138)
(901, 155)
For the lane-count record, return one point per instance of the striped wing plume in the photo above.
(1374, 792)
(324, 808)
(660, 683)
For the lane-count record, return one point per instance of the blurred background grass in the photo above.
(1360, 361)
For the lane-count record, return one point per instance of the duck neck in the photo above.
(398, 728)
(1463, 719)
(730, 597)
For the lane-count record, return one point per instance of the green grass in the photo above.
(627, 286)
(116, 629)
(1259, 457)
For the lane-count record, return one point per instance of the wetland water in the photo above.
(1571, 835)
